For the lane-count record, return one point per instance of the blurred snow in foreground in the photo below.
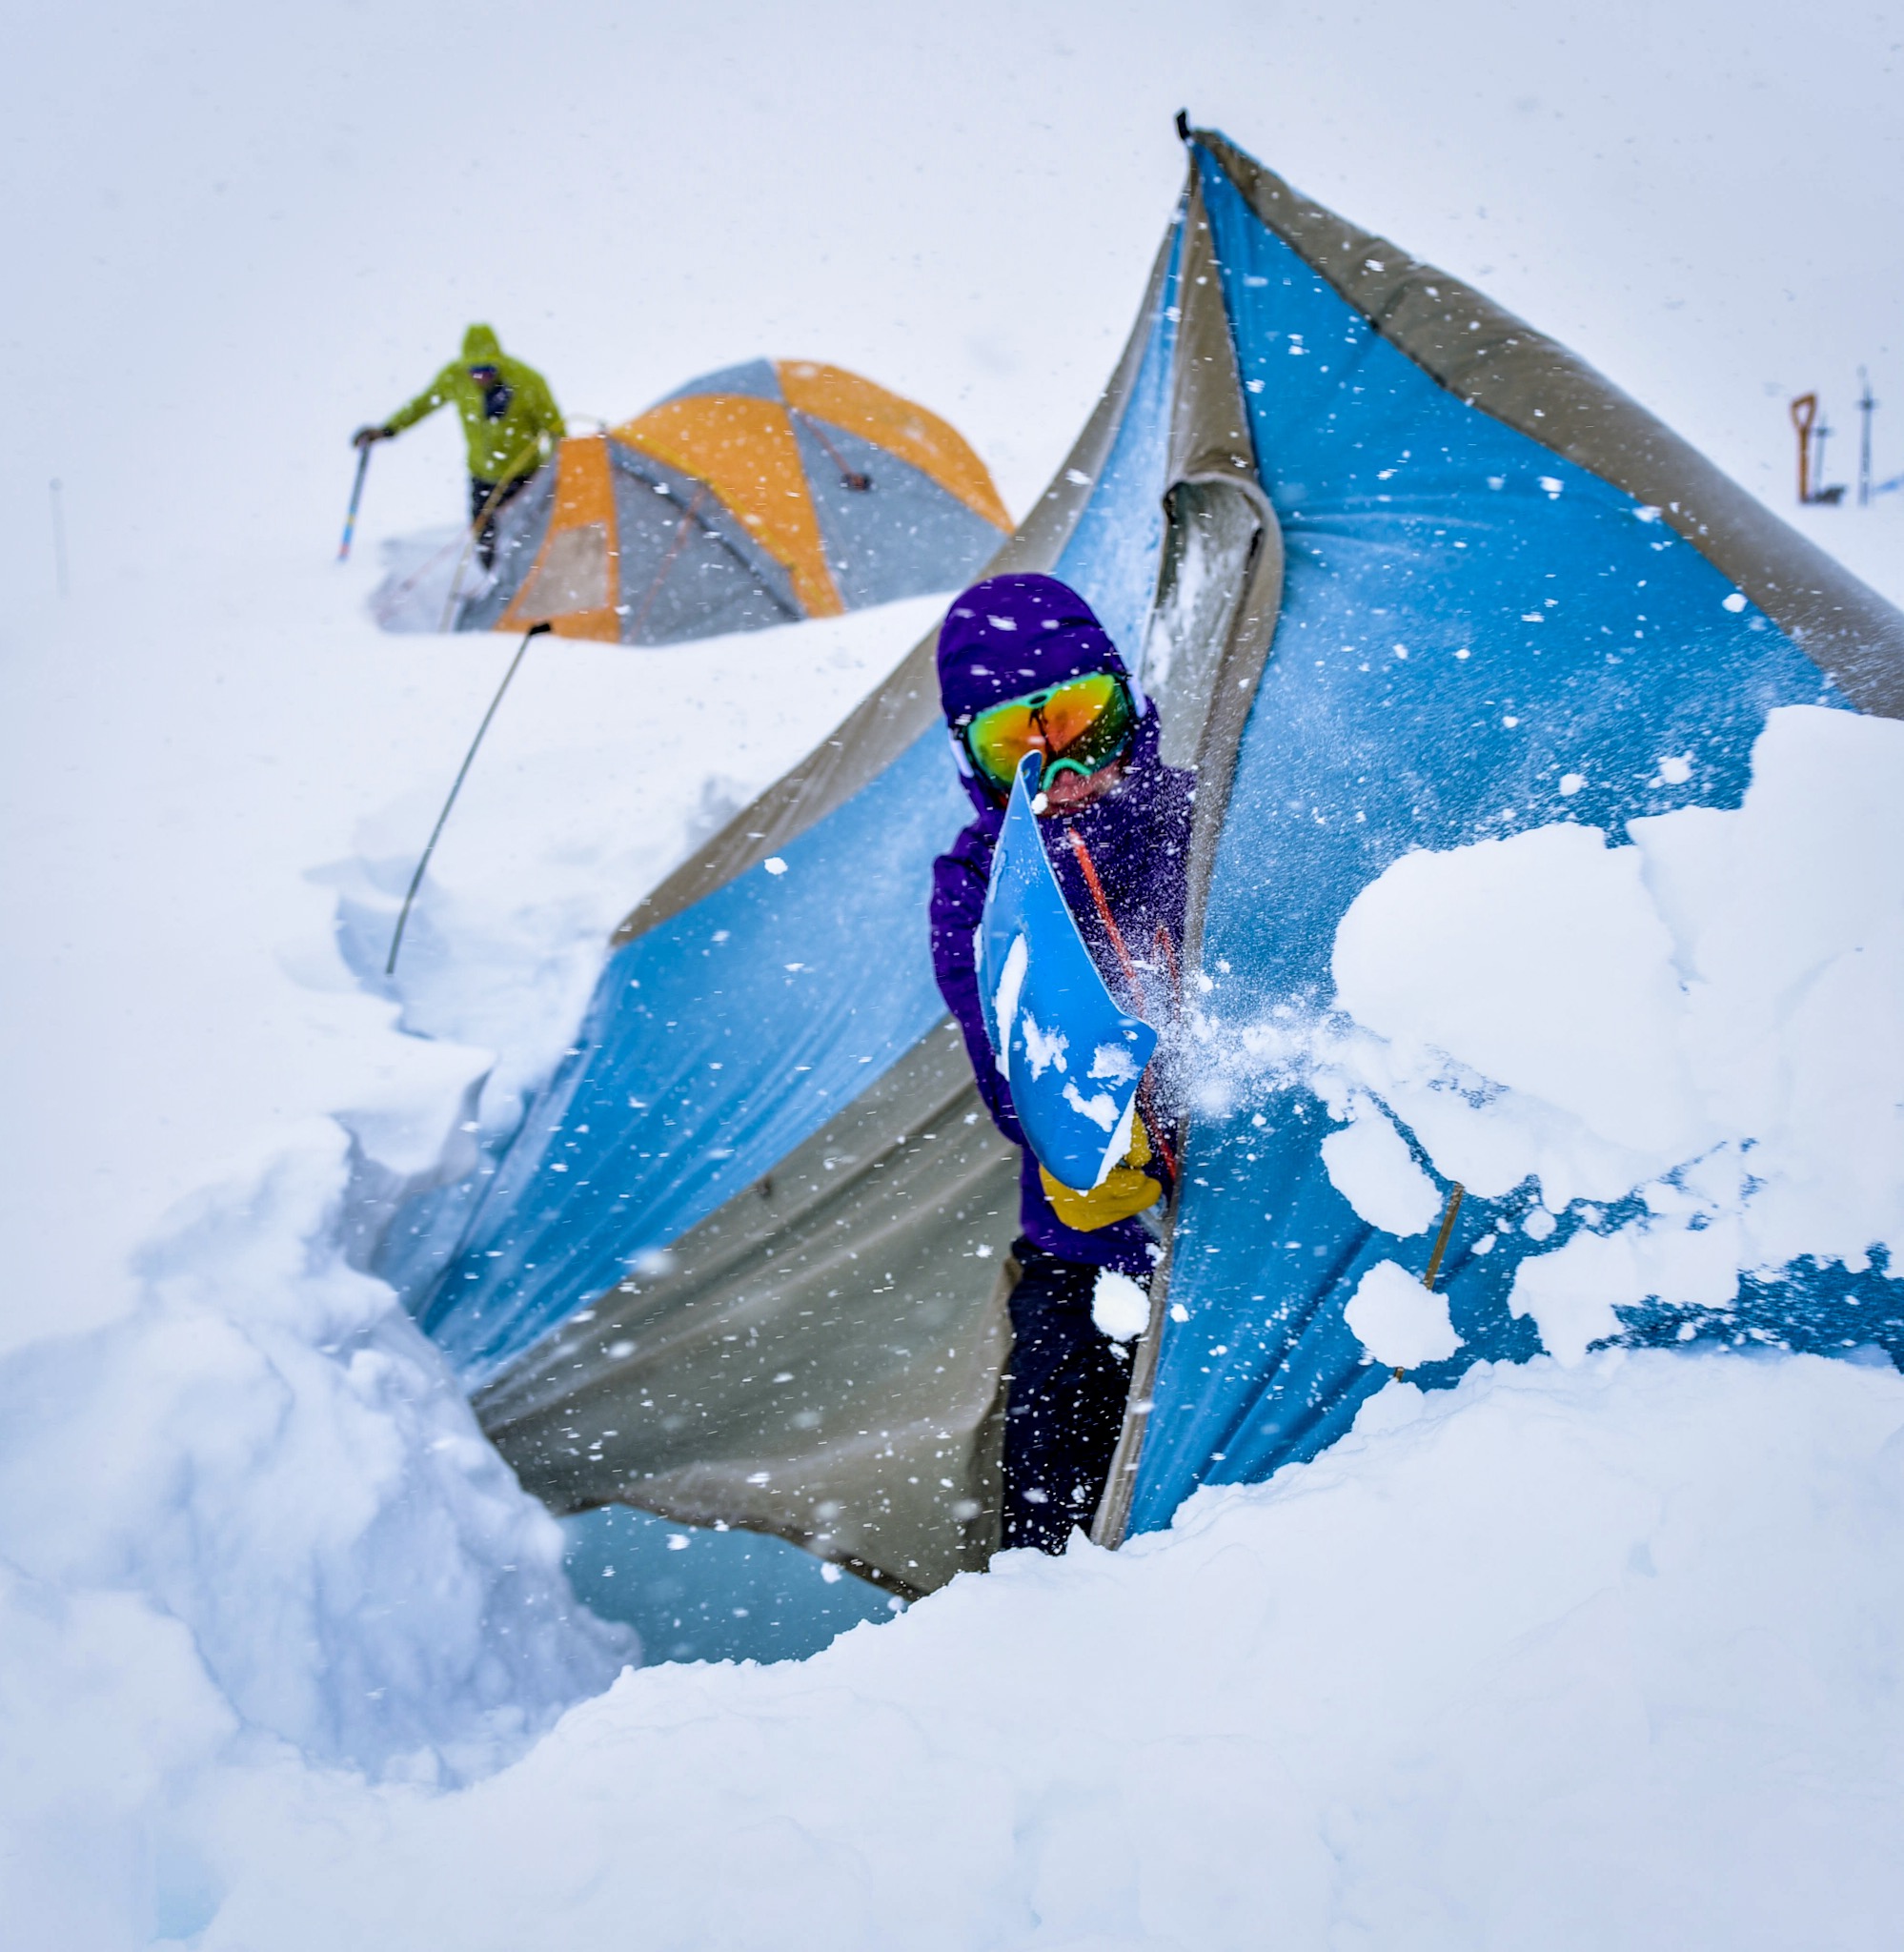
(1602, 1655)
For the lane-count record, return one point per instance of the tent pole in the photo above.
(534, 630)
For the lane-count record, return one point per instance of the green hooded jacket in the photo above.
(525, 434)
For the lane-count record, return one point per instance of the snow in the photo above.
(1706, 1019)
(267, 1451)
(1397, 1320)
(1120, 1306)
(1598, 1654)
(1616, 1666)
(1544, 964)
(1370, 1165)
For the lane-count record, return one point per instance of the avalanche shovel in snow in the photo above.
(1073, 1059)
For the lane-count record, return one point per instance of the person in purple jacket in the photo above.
(1024, 665)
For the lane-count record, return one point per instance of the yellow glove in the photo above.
(1126, 1191)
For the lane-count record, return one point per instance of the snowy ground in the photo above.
(1594, 1656)
(1616, 1665)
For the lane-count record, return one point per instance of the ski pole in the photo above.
(357, 495)
(534, 630)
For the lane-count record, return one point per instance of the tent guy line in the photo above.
(529, 636)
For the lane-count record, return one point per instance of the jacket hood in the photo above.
(479, 344)
(1013, 633)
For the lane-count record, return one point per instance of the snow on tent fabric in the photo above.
(769, 492)
(743, 1258)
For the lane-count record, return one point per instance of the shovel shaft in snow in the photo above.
(1803, 417)
(534, 630)
(1441, 1239)
(356, 497)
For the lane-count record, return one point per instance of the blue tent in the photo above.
(745, 1258)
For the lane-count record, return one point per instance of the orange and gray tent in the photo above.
(746, 1257)
(770, 492)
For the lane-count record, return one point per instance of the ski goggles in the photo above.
(1078, 725)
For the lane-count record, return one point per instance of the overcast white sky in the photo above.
(238, 230)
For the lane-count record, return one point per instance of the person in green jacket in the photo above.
(510, 421)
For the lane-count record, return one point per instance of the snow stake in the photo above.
(1449, 1212)
(1825, 497)
(1867, 405)
(534, 630)
(356, 497)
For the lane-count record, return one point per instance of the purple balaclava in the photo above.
(1013, 633)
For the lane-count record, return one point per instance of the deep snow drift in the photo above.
(1561, 1658)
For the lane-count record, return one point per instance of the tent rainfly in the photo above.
(770, 492)
(745, 1257)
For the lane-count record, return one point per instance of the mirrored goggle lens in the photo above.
(1079, 726)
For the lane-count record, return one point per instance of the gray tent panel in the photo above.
(1219, 592)
(688, 569)
(753, 378)
(899, 534)
(519, 524)
(820, 1358)
(684, 568)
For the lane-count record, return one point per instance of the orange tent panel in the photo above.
(830, 393)
(744, 449)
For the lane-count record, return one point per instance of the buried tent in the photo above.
(767, 493)
(745, 1258)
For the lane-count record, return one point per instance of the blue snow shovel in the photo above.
(1071, 1056)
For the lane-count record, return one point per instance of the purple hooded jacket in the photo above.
(1004, 638)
